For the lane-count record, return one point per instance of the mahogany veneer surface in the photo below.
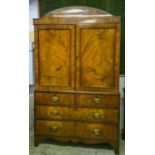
(77, 59)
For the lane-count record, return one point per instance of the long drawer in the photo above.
(79, 130)
(56, 99)
(97, 100)
(54, 128)
(78, 114)
(82, 100)
(96, 131)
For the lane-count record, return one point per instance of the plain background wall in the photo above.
(33, 13)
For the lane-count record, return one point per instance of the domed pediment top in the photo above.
(77, 11)
(77, 15)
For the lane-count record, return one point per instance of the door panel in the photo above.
(56, 56)
(95, 57)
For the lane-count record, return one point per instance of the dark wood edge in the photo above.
(58, 20)
(77, 106)
(78, 138)
(79, 121)
(76, 92)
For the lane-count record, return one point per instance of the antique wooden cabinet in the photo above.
(77, 56)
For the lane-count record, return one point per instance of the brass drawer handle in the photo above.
(97, 100)
(55, 112)
(96, 132)
(55, 98)
(96, 115)
(54, 128)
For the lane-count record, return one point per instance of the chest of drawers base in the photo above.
(77, 117)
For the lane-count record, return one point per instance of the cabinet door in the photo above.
(97, 57)
(56, 56)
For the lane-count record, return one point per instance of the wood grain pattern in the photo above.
(117, 56)
(45, 128)
(96, 115)
(36, 58)
(77, 63)
(96, 54)
(80, 130)
(105, 101)
(53, 113)
(79, 114)
(74, 20)
(64, 99)
(107, 132)
(55, 56)
(97, 57)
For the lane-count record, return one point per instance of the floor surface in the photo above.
(50, 147)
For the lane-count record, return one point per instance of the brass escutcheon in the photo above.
(54, 128)
(96, 132)
(55, 99)
(55, 112)
(97, 100)
(96, 115)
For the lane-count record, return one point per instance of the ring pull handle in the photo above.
(54, 128)
(96, 115)
(97, 100)
(55, 99)
(96, 132)
(55, 112)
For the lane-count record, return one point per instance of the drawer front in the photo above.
(96, 115)
(96, 131)
(54, 99)
(105, 101)
(55, 113)
(54, 128)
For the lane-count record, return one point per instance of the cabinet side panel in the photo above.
(36, 63)
(117, 56)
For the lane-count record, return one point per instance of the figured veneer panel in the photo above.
(78, 114)
(55, 57)
(97, 131)
(98, 100)
(96, 115)
(63, 99)
(96, 64)
(77, 59)
(56, 128)
(55, 113)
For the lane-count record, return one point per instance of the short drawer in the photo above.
(54, 99)
(97, 100)
(96, 115)
(55, 113)
(54, 128)
(96, 131)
